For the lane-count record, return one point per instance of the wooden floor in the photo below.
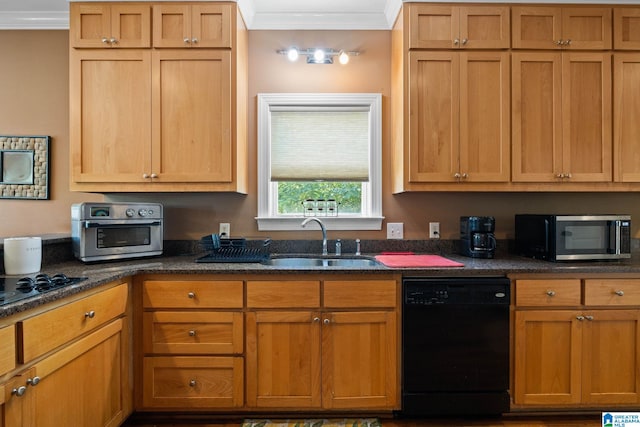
(507, 421)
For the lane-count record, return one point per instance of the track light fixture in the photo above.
(318, 55)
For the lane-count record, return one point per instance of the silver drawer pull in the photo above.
(581, 318)
(619, 292)
(192, 383)
(33, 381)
(90, 314)
(551, 293)
(191, 295)
(588, 317)
(192, 333)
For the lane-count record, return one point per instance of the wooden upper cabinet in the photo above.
(459, 117)
(453, 27)
(206, 25)
(98, 25)
(626, 87)
(561, 117)
(553, 27)
(626, 28)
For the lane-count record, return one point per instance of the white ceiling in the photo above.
(259, 14)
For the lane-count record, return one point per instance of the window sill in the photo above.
(331, 223)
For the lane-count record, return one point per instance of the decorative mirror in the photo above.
(24, 167)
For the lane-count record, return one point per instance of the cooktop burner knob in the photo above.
(130, 212)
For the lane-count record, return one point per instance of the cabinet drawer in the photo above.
(360, 293)
(612, 292)
(7, 349)
(193, 332)
(46, 331)
(193, 382)
(555, 292)
(192, 294)
(278, 294)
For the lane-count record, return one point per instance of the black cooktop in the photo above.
(16, 288)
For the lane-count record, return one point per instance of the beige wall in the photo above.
(34, 101)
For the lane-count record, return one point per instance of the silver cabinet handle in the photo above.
(20, 391)
(145, 176)
(192, 383)
(560, 175)
(581, 318)
(551, 293)
(619, 292)
(456, 42)
(187, 40)
(105, 40)
(90, 314)
(33, 381)
(113, 40)
(326, 321)
(457, 175)
(192, 333)
(191, 295)
(316, 319)
(567, 42)
(464, 41)
(154, 175)
(194, 40)
(567, 175)
(465, 175)
(559, 42)
(588, 317)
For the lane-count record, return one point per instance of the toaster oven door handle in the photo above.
(89, 224)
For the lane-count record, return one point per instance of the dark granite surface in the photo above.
(502, 264)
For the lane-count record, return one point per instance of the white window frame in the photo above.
(371, 217)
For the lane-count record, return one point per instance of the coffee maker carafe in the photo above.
(477, 238)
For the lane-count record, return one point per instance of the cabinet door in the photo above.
(283, 359)
(536, 27)
(547, 355)
(586, 116)
(484, 27)
(82, 384)
(611, 356)
(586, 28)
(99, 25)
(433, 27)
(18, 408)
(626, 28)
(211, 25)
(171, 25)
(359, 360)
(434, 120)
(484, 117)
(536, 116)
(626, 69)
(110, 112)
(192, 116)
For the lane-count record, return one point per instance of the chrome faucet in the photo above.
(324, 232)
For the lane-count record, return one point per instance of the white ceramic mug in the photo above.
(22, 255)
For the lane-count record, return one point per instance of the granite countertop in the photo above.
(100, 274)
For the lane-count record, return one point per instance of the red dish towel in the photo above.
(417, 261)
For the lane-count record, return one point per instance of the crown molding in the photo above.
(39, 20)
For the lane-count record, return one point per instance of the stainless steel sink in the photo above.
(321, 262)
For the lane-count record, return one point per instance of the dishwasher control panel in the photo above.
(456, 291)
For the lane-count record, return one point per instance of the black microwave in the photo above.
(573, 237)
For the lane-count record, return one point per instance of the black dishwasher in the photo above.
(455, 346)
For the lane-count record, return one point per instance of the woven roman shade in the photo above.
(329, 143)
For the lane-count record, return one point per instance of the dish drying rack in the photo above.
(234, 249)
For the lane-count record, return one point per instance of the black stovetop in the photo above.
(17, 288)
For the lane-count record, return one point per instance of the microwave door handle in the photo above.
(618, 225)
(89, 224)
(547, 236)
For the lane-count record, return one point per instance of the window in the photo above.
(320, 155)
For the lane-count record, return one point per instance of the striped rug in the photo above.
(315, 422)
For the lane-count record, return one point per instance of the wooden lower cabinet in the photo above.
(325, 357)
(578, 356)
(83, 384)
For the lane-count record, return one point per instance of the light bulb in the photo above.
(319, 55)
(292, 54)
(343, 58)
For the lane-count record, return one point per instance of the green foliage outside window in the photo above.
(292, 194)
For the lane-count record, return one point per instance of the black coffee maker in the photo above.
(477, 238)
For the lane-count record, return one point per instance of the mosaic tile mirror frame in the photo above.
(24, 167)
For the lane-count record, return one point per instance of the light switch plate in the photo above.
(395, 230)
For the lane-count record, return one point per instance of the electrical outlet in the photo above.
(225, 230)
(434, 230)
(395, 230)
